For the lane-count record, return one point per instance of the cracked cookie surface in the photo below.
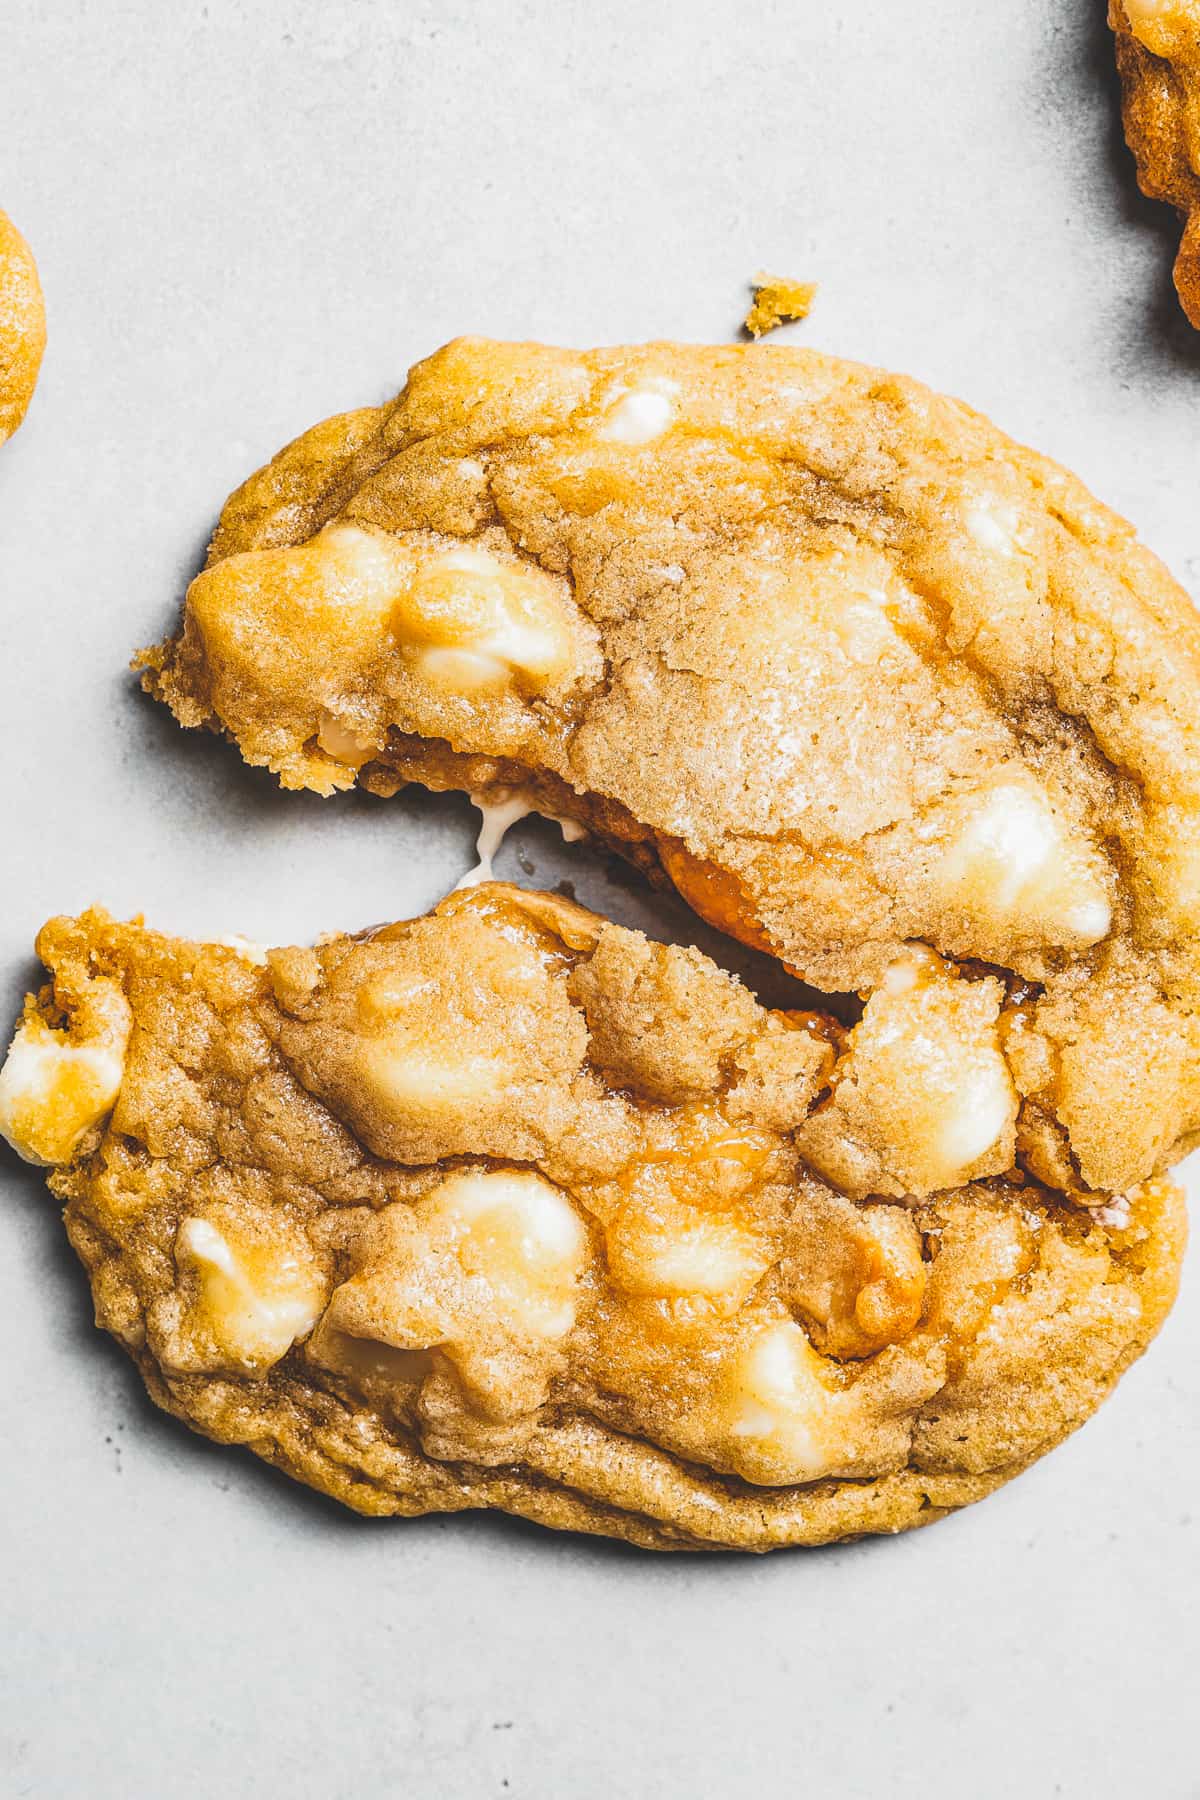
(822, 648)
(22, 327)
(1158, 55)
(511, 1207)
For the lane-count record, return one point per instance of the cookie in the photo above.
(823, 649)
(22, 327)
(510, 1207)
(1158, 55)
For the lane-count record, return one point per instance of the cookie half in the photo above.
(510, 1207)
(824, 649)
(22, 327)
(1158, 55)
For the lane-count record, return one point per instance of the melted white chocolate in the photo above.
(499, 816)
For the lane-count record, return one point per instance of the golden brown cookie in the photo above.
(510, 1207)
(826, 650)
(22, 326)
(1158, 54)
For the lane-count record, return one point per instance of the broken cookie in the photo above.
(510, 1207)
(857, 674)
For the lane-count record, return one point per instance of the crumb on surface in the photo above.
(777, 301)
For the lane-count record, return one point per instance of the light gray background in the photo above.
(248, 217)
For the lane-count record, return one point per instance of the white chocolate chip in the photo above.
(410, 1077)
(922, 1096)
(779, 1413)
(481, 1273)
(1089, 920)
(901, 976)
(976, 1114)
(640, 415)
(56, 1085)
(473, 620)
(1017, 834)
(462, 671)
(513, 626)
(245, 948)
(1011, 861)
(198, 1241)
(703, 1254)
(257, 1300)
(776, 1405)
(343, 742)
(994, 526)
(520, 1235)
(357, 569)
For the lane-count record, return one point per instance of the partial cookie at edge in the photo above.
(1158, 56)
(22, 327)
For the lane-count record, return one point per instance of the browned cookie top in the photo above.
(508, 1206)
(858, 672)
(1158, 54)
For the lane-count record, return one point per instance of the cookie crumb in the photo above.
(776, 301)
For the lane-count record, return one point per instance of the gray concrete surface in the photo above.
(249, 216)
